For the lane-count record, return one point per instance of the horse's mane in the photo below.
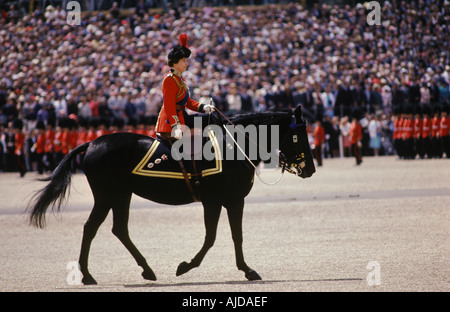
(260, 118)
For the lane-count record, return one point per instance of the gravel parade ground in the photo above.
(383, 226)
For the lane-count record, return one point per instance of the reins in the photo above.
(257, 171)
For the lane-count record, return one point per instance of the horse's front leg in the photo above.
(235, 213)
(211, 213)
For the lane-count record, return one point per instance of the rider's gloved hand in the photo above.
(207, 108)
(176, 132)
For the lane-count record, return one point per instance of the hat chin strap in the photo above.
(175, 72)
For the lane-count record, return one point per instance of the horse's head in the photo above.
(295, 153)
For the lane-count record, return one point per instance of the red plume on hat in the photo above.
(179, 51)
(183, 40)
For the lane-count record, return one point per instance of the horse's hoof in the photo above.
(183, 267)
(253, 276)
(149, 275)
(88, 280)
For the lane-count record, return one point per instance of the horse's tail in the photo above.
(55, 191)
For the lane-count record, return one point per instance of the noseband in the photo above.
(295, 164)
(291, 166)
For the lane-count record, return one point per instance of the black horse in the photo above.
(120, 164)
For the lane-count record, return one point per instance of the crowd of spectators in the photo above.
(327, 58)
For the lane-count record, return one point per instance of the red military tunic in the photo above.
(65, 142)
(355, 132)
(435, 125)
(175, 99)
(40, 143)
(49, 140)
(82, 137)
(418, 125)
(91, 135)
(73, 138)
(19, 143)
(395, 134)
(426, 129)
(443, 128)
(319, 135)
(408, 128)
(102, 131)
(58, 141)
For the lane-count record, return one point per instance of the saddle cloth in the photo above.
(158, 162)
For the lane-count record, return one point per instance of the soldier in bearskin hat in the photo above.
(436, 146)
(19, 146)
(397, 133)
(176, 98)
(50, 134)
(418, 126)
(319, 140)
(57, 145)
(426, 131)
(356, 136)
(445, 130)
(103, 126)
(39, 146)
(92, 130)
(117, 125)
(408, 133)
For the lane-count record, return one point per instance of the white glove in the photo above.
(207, 108)
(176, 132)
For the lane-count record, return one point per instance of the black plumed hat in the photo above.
(179, 51)
(151, 120)
(40, 125)
(18, 124)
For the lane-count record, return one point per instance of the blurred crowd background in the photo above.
(249, 56)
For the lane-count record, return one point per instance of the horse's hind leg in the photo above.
(121, 208)
(96, 218)
(211, 213)
(235, 209)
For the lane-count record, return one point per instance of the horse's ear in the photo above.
(298, 113)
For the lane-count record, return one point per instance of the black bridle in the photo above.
(297, 161)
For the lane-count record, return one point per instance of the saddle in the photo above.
(159, 162)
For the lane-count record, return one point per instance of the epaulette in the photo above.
(182, 86)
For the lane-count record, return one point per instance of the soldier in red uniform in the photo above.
(435, 138)
(426, 133)
(73, 131)
(57, 146)
(319, 140)
(396, 136)
(82, 136)
(444, 131)
(50, 145)
(173, 116)
(39, 147)
(418, 145)
(19, 147)
(355, 139)
(408, 136)
(401, 129)
(65, 137)
(92, 131)
(103, 127)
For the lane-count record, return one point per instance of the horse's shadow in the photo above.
(188, 284)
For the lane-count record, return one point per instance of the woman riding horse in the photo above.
(110, 164)
(173, 115)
